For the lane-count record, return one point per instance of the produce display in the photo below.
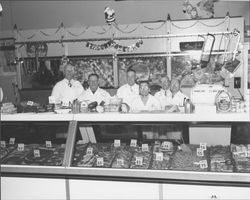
(192, 160)
(221, 159)
(159, 156)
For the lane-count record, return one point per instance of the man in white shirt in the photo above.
(177, 97)
(94, 93)
(68, 89)
(145, 101)
(130, 90)
(164, 94)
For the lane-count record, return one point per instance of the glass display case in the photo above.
(75, 151)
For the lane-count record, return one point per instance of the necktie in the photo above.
(70, 85)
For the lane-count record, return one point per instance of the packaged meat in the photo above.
(16, 157)
(162, 163)
(241, 156)
(122, 158)
(190, 160)
(80, 150)
(6, 151)
(107, 158)
(56, 159)
(141, 160)
(221, 159)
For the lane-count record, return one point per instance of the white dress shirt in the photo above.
(99, 96)
(151, 104)
(128, 93)
(163, 97)
(177, 99)
(67, 91)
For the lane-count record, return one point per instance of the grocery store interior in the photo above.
(125, 99)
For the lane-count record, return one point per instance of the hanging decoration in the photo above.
(109, 14)
(113, 44)
(202, 9)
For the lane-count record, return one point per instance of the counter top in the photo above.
(129, 117)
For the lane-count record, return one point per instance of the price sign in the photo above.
(117, 143)
(89, 151)
(248, 146)
(144, 147)
(20, 147)
(242, 154)
(166, 145)
(12, 141)
(48, 144)
(30, 103)
(159, 156)
(65, 104)
(99, 161)
(200, 152)
(3, 144)
(133, 143)
(138, 161)
(52, 100)
(36, 153)
(203, 146)
(203, 164)
(235, 154)
(120, 161)
(248, 153)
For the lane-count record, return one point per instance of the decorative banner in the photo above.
(112, 43)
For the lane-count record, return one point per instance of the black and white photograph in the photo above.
(124, 99)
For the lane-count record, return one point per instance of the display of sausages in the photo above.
(241, 155)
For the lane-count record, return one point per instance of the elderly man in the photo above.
(94, 93)
(145, 101)
(68, 89)
(130, 90)
(164, 94)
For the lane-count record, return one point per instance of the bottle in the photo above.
(188, 106)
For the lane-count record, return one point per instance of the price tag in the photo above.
(117, 143)
(89, 151)
(248, 146)
(238, 149)
(242, 154)
(65, 104)
(235, 154)
(166, 145)
(159, 156)
(138, 161)
(133, 143)
(52, 100)
(120, 162)
(144, 147)
(36, 153)
(30, 103)
(248, 153)
(203, 146)
(203, 164)
(20, 147)
(3, 144)
(200, 152)
(99, 161)
(12, 141)
(48, 144)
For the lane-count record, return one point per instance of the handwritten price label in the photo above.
(139, 161)
(90, 151)
(159, 156)
(203, 164)
(166, 145)
(133, 143)
(144, 147)
(120, 162)
(3, 144)
(203, 146)
(12, 141)
(30, 103)
(36, 153)
(20, 147)
(117, 143)
(65, 104)
(52, 100)
(99, 161)
(48, 144)
(200, 152)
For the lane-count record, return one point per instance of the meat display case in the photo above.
(73, 135)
